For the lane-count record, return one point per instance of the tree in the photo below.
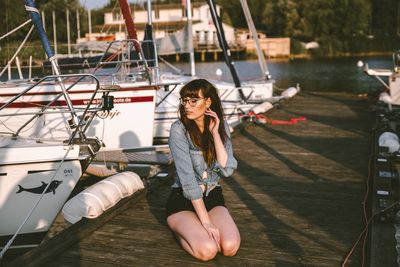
(352, 18)
(385, 17)
(11, 16)
(16, 14)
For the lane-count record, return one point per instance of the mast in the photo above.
(68, 32)
(34, 14)
(90, 22)
(78, 26)
(54, 32)
(250, 24)
(224, 46)
(126, 13)
(190, 38)
(148, 45)
(130, 25)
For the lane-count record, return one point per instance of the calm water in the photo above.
(341, 74)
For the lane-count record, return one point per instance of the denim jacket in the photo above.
(190, 164)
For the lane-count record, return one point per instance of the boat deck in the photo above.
(296, 196)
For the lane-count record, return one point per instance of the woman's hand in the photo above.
(204, 218)
(213, 232)
(214, 121)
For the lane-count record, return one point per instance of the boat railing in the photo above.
(134, 60)
(88, 112)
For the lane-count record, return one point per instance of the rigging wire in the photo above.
(15, 29)
(112, 12)
(18, 50)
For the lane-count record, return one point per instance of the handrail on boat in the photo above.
(41, 112)
(124, 48)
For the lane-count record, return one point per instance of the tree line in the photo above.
(12, 14)
(311, 20)
(333, 22)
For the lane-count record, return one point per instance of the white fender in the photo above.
(96, 199)
(385, 97)
(263, 107)
(290, 92)
(389, 140)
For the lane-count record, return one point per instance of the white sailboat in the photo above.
(41, 170)
(389, 78)
(130, 124)
(237, 98)
(38, 174)
(144, 91)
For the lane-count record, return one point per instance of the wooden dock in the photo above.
(296, 196)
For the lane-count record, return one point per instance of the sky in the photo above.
(93, 4)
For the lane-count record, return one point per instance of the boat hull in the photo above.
(24, 174)
(129, 124)
(233, 105)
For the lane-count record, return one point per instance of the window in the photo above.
(183, 12)
(116, 16)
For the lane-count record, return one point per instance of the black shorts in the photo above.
(177, 202)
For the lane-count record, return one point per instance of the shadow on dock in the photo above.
(296, 196)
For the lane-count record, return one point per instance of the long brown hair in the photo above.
(204, 141)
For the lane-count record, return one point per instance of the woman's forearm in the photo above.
(222, 155)
(201, 211)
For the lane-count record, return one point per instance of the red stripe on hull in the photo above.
(80, 102)
(72, 92)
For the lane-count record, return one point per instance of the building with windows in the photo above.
(272, 47)
(168, 19)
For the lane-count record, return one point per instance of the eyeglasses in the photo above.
(192, 101)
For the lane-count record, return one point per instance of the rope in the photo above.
(24, 131)
(364, 208)
(262, 119)
(365, 230)
(31, 9)
(9, 243)
(14, 30)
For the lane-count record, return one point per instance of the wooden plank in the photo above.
(296, 196)
(78, 231)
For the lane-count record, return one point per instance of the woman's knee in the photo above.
(205, 251)
(231, 246)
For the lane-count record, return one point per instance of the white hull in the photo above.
(144, 108)
(135, 119)
(129, 124)
(24, 172)
(234, 107)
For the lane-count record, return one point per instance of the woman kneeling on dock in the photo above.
(202, 150)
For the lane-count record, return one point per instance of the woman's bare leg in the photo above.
(192, 235)
(229, 233)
